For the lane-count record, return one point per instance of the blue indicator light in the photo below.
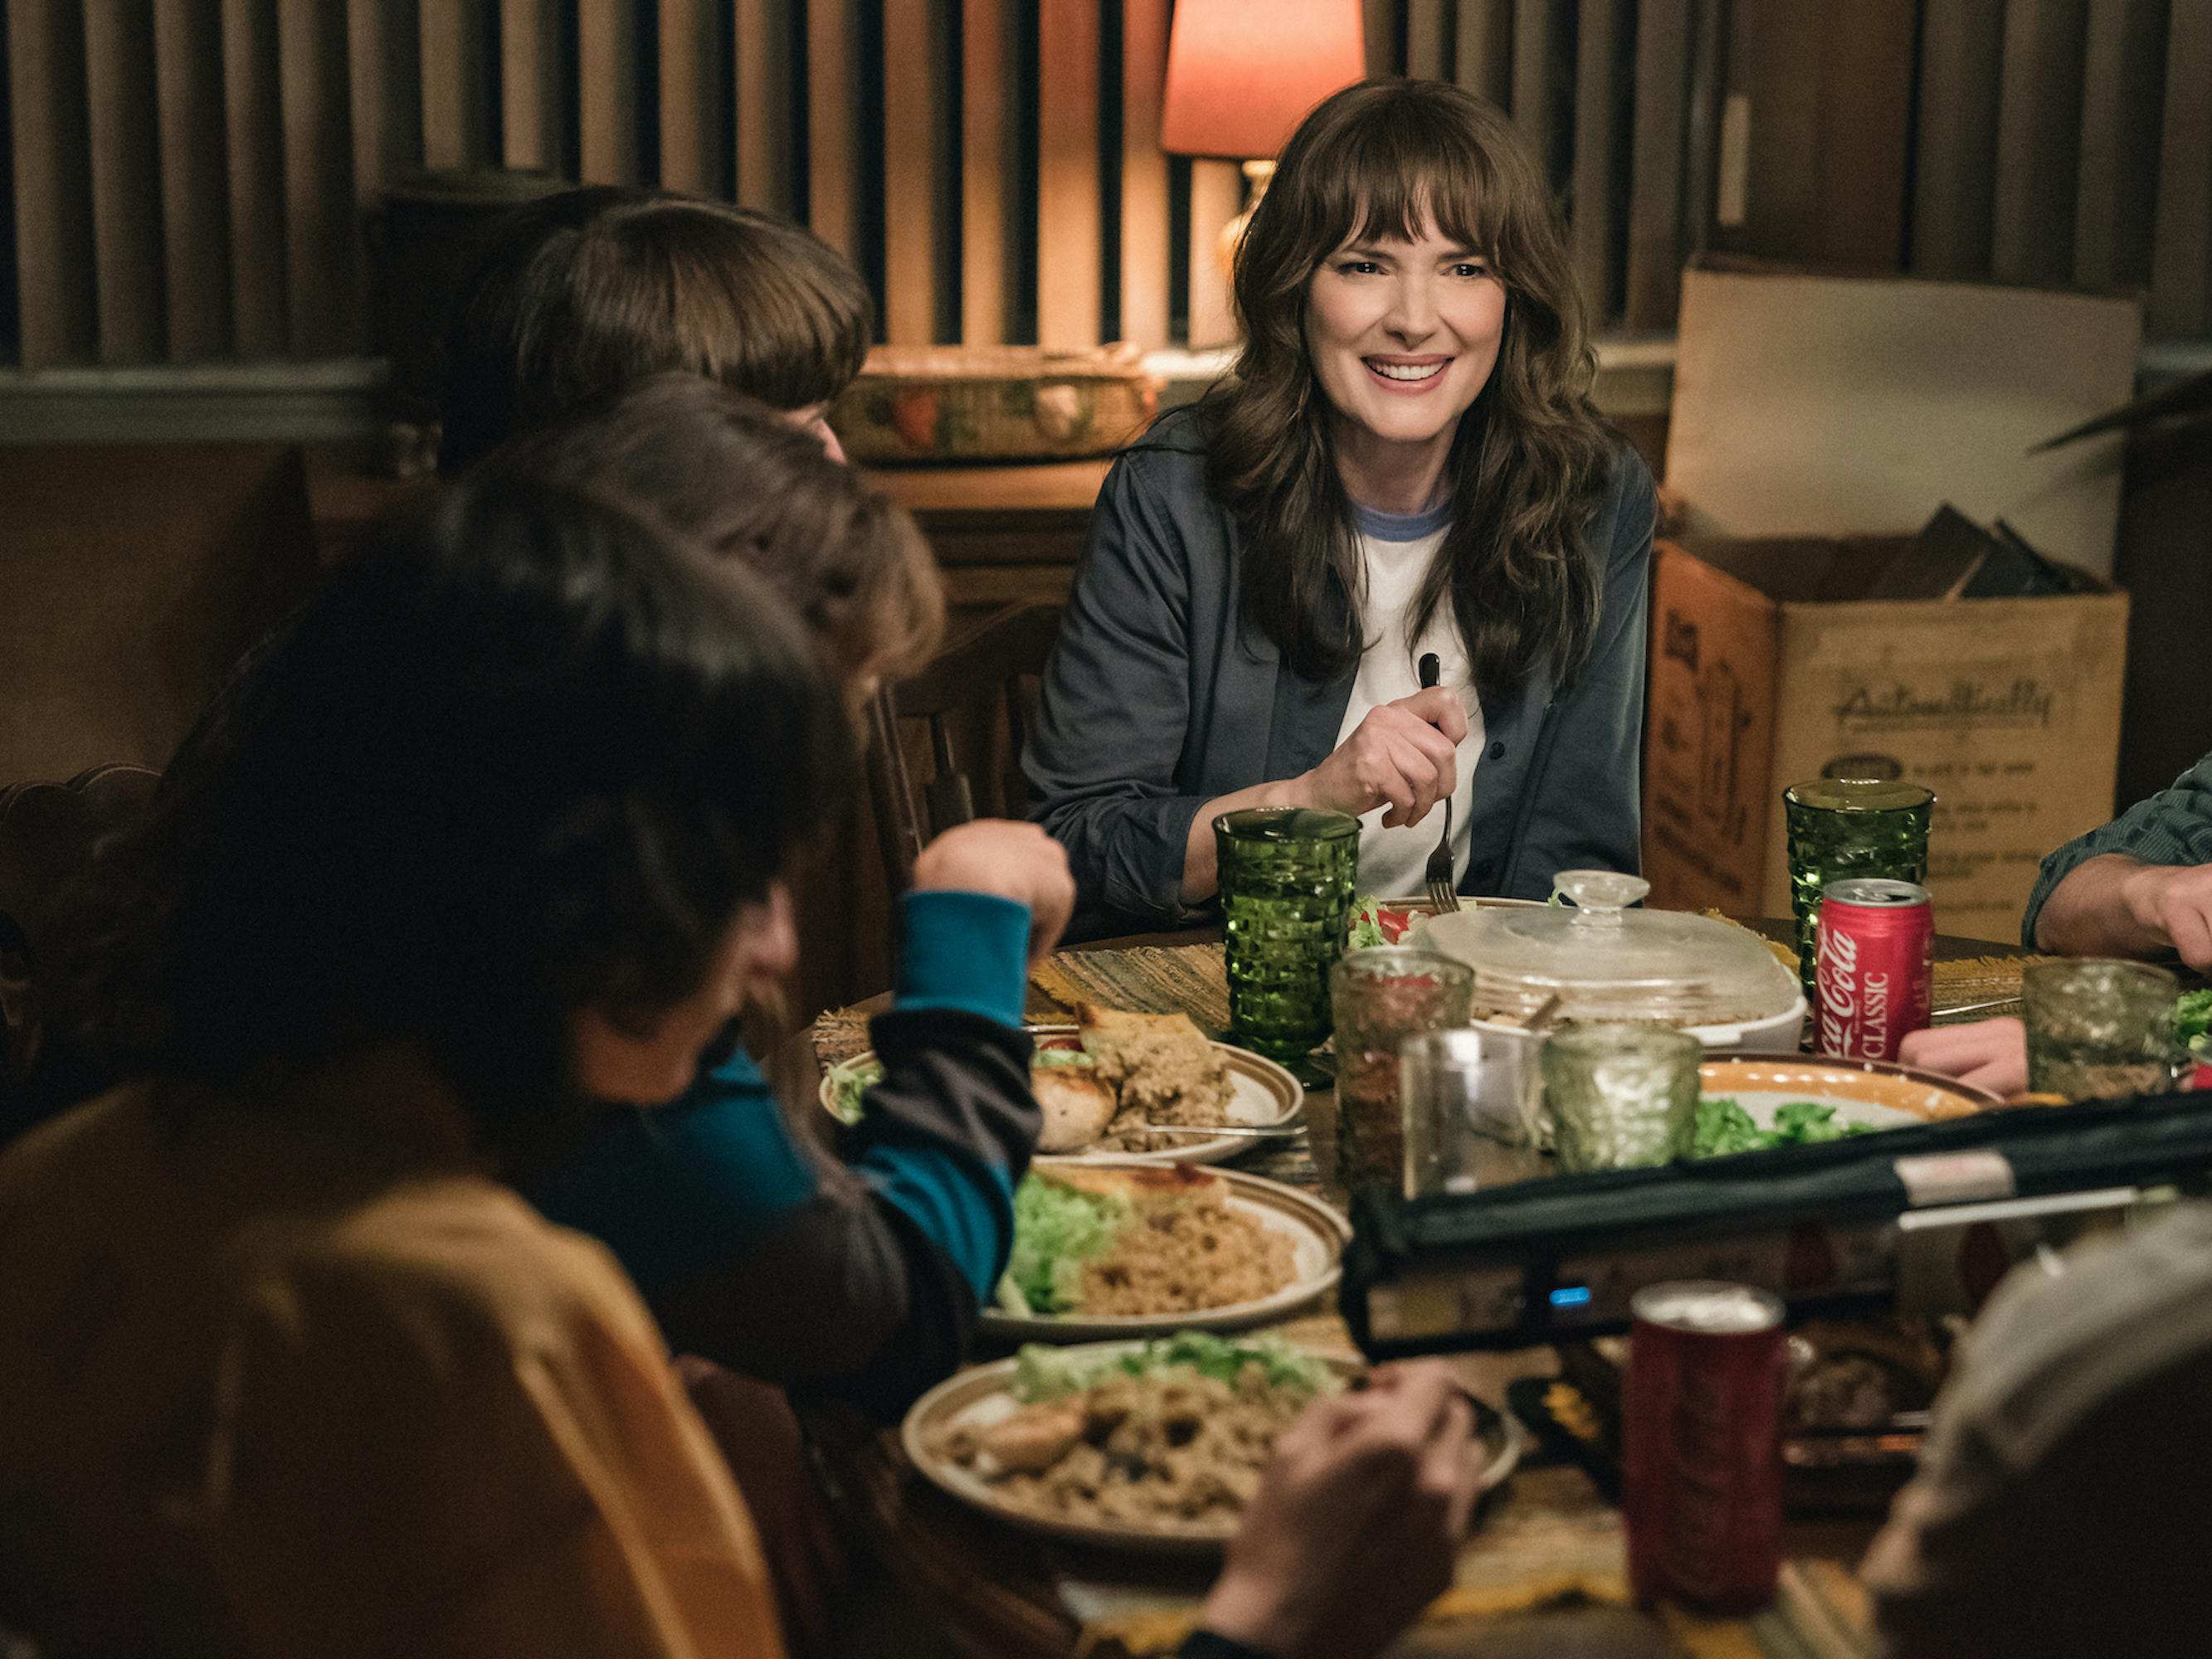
(1571, 1296)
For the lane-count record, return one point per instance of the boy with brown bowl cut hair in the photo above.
(576, 296)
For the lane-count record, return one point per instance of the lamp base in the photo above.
(1257, 175)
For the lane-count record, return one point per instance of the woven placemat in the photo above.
(839, 1035)
(1147, 979)
(1969, 984)
(1550, 1552)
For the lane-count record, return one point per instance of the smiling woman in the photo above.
(1405, 462)
(1403, 336)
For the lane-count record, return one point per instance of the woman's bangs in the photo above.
(1395, 185)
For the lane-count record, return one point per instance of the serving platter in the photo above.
(984, 1395)
(1263, 1096)
(1317, 1234)
(1877, 1093)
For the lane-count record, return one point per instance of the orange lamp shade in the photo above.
(1242, 74)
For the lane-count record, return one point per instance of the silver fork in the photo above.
(1443, 888)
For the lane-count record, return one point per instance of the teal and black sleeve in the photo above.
(862, 1279)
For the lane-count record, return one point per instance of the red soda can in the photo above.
(1871, 969)
(1701, 1444)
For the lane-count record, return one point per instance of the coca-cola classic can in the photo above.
(1701, 1444)
(1871, 967)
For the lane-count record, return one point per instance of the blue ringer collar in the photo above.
(1378, 525)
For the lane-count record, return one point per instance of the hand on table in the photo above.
(1990, 1053)
(1356, 1522)
(1017, 861)
(2174, 902)
(1403, 752)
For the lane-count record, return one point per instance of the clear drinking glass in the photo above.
(1383, 996)
(1618, 1095)
(1287, 878)
(2098, 1029)
(1841, 828)
(1467, 1098)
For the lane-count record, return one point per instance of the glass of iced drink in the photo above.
(1619, 1095)
(2099, 1029)
(1468, 1099)
(1381, 997)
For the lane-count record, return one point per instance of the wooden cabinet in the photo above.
(1002, 533)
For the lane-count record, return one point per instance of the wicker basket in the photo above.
(950, 403)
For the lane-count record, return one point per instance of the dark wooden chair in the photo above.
(965, 715)
(48, 834)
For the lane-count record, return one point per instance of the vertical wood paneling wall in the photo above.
(184, 178)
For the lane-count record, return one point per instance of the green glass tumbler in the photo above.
(1841, 829)
(2098, 1029)
(1287, 876)
(1620, 1096)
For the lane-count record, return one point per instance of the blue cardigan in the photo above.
(1162, 695)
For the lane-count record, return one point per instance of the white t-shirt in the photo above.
(1398, 548)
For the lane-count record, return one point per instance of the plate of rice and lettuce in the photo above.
(1127, 1249)
(1153, 1446)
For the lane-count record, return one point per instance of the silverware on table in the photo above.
(1238, 1130)
(1441, 880)
(1989, 1006)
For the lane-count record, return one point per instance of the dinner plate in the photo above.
(1317, 1234)
(984, 1395)
(1263, 1096)
(1878, 1093)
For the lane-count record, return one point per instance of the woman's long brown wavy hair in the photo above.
(1383, 159)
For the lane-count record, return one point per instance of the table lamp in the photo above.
(1242, 74)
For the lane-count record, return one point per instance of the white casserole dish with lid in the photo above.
(1605, 961)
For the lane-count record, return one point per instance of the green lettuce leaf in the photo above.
(1056, 1230)
(1365, 927)
(1723, 1127)
(2192, 1020)
(1048, 1373)
(847, 1081)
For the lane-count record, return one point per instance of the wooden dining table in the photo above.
(1543, 1573)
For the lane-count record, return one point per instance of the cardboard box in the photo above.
(1807, 404)
(1817, 422)
(1765, 670)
